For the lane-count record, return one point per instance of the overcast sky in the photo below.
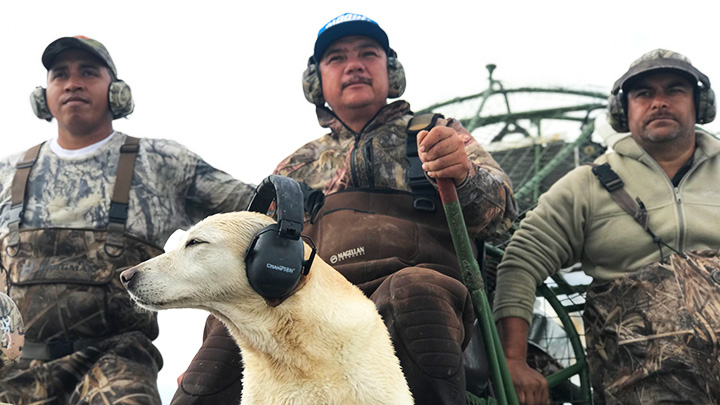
(223, 78)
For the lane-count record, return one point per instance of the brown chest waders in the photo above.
(65, 280)
(369, 234)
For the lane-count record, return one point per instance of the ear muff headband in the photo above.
(119, 99)
(274, 261)
(705, 102)
(312, 82)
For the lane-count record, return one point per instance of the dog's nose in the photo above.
(127, 275)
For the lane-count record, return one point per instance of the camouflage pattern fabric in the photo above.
(376, 159)
(68, 287)
(119, 370)
(172, 188)
(12, 331)
(652, 337)
(81, 42)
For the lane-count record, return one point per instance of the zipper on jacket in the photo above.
(352, 160)
(678, 202)
(681, 218)
(353, 172)
(368, 154)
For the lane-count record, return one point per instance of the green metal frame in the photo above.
(504, 389)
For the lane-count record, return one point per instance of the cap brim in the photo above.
(62, 44)
(653, 66)
(346, 29)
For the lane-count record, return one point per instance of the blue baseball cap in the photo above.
(346, 25)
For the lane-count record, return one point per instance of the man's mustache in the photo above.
(661, 115)
(357, 80)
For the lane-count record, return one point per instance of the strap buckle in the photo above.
(14, 213)
(608, 178)
(118, 212)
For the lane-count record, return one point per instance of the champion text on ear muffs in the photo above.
(274, 261)
(312, 87)
(119, 99)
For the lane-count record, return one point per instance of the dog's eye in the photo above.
(192, 242)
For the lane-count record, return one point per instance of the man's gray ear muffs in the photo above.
(396, 76)
(119, 99)
(312, 85)
(38, 102)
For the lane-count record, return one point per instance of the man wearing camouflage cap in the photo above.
(643, 221)
(73, 212)
(382, 225)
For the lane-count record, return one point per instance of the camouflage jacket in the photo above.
(376, 158)
(172, 188)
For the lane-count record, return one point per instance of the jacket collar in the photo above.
(328, 119)
(707, 146)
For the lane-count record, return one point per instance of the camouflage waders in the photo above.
(652, 337)
(86, 342)
(404, 260)
(12, 331)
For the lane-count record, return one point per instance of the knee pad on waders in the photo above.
(427, 314)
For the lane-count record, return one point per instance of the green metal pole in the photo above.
(504, 388)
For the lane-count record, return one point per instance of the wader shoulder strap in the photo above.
(423, 192)
(17, 195)
(615, 186)
(121, 194)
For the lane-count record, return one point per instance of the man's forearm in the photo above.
(513, 335)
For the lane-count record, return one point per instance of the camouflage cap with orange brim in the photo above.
(78, 42)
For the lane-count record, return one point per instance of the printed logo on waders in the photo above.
(348, 254)
(715, 275)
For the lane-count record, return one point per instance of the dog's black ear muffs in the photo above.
(274, 261)
(119, 99)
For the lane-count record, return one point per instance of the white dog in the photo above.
(324, 344)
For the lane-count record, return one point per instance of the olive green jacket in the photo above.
(577, 221)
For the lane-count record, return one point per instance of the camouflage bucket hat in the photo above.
(79, 42)
(660, 59)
